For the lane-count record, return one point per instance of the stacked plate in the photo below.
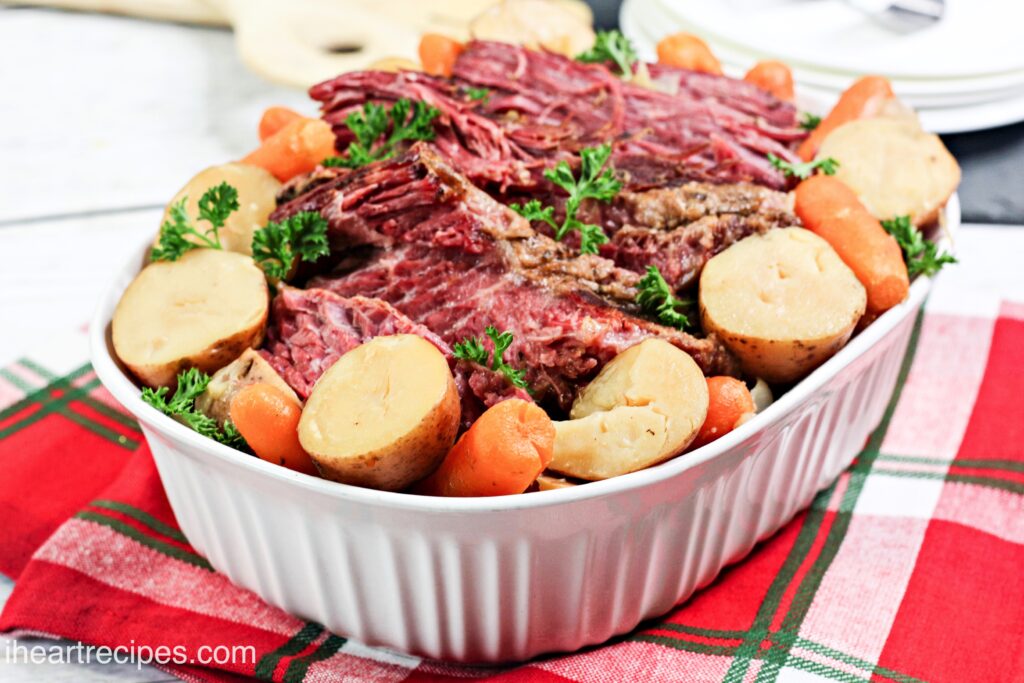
(965, 72)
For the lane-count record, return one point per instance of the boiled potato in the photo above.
(644, 407)
(394, 64)
(783, 302)
(895, 167)
(550, 482)
(249, 368)
(384, 415)
(200, 311)
(557, 26)
(257, 198)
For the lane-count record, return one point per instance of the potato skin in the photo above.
(412, 453)
(208, 360)
(151, 307)
(800, 337)
(894, 167)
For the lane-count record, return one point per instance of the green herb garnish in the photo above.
(481, 95)
(276, 246)
(809, 121)
(181, 406)
(472, 349)
(406, 121)
(922, 256)
(656, 297)
(594, 182)
(611, 46)
(216, 204)
(826, 165)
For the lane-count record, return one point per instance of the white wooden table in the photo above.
(102, 119)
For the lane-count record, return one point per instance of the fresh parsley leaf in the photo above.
(922, 256)
(534, 211)
(595, 182)
(656, 297)
(216, 204)
(827, 165)
(181, 406)
(809, 121)
(276, 246)
(612, 46)
(472, 349)
(481, 95)
(405, 119)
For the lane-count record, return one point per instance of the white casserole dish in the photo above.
(508, 578)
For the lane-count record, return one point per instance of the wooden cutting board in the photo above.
(302, 42)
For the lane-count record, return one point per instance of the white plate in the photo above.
(645, 23)
(975, 38)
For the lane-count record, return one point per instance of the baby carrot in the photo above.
(774, 77)
(729, 401)
(297, 148)
(862, 100)
(276, 118)
(438, 54)
(504, 452)
(831, 209)
(687, 51)
(268, 420)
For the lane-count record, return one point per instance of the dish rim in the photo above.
(128, 394)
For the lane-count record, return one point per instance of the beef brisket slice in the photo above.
(454, 260)
(312, 328)
(544, 107)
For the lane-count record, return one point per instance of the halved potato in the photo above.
(895, 167)
(200, 311)
(558, 26)
(644, 407)
(257, 198)
(783, 302)
(249, 368)
(384, 415)
(394, 64)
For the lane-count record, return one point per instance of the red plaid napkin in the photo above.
(909, 568)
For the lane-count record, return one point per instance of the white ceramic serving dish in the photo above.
(508, 578)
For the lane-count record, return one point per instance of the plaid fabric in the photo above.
(908, 568)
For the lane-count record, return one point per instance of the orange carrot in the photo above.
(503, 453)
(297, 148)
(862, 100)
(831, 209)
(276, 118)
(729, 401)
(268, 420)
(687, 51)
(438, 54)
(774, 77)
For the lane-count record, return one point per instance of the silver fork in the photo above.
(903, 16)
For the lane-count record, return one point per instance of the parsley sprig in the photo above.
(612, 46)
(596, 181)
(276, 246)
(922, 256)
(179, 234)
(405, 119)
(473, 349)
(809, 121)
(481, 95)
(656, 297)
(181, 406)
(826, 165)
